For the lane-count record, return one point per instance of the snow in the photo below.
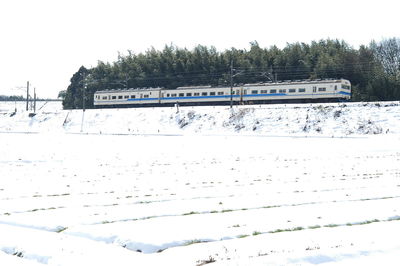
(256, 185)
(327, 120)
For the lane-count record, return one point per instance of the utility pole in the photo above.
(34, 100)
(272, 74)
(83, 106)
(231, 82)
(83, 97)
(27, 95)
(231, 78)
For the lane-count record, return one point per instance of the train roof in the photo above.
(194, 87)
(283, 82)
(294, 82)
(130, 90)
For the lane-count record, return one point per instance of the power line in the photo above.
(218, 75)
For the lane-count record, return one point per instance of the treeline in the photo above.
(373, 70)
(21, 98)
(11, 98)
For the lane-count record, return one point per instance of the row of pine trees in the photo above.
(373, 70)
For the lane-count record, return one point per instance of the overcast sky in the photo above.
(46, 41)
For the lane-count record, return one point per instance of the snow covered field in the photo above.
(269, 185)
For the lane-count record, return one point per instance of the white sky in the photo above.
(46, 41)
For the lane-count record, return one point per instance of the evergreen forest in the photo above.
(373, 70)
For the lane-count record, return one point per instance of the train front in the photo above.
(345, 89)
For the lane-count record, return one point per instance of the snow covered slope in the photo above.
(341, 119)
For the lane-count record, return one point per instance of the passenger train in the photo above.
(326, 90)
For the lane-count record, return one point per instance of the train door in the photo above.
(314, 90)
(244, 92)
(238, 93)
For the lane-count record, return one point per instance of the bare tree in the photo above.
(388, 53)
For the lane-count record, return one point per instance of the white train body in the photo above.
(293, 91)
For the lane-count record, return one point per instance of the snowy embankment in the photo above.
(341, 119)
(161, 187)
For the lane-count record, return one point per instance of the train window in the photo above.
(104, 97)
(272, 91)
(133, 96)
(119, 96)
(126, 96)
(264, 91)
(181, 94)
(292, 90)
(321, 89)
(204, 94)
(212, 93)
(302, 90)
(220, 93)
(346, 87)
(196, 94)
(173, 95)
(254, 92)
(188, 94)
(282, 91)
(146, 96)
(114, 97)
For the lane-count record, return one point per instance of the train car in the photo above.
(298, 91)
(127, 97)
(274, 92)
(196, 95)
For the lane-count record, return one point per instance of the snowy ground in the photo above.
(270, 185)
